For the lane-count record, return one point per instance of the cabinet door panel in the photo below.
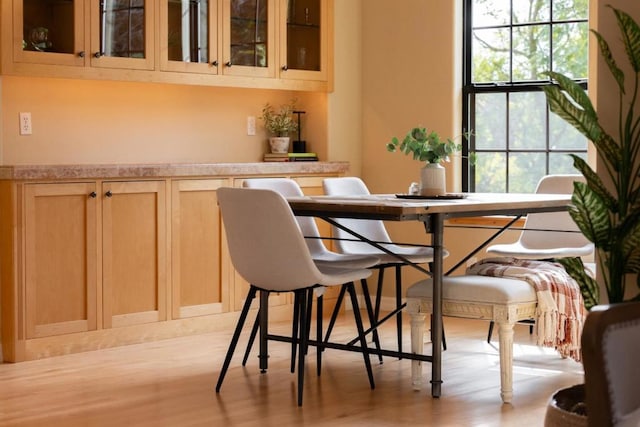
(249, 37)
(122, 34)
(49, 31)
(134, 252)
(189, 36)
(304, 38)
(60, 258)
(199, 280)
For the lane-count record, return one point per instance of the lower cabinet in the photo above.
(60, 252)
(134, 253)
(100, 263)
(199, 277)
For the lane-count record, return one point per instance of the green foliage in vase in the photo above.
(608, 218)
(425, 146)
(281, 122)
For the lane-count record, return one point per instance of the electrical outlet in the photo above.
(251, 125)
(25, 124)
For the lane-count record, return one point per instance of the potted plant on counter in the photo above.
(280, 124)
(428, 147)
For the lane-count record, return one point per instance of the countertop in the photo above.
(163, 170)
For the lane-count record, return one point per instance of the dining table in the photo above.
(432, 211)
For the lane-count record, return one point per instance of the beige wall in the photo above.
(81, 121)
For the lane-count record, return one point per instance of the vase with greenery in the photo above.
(607, 216)
(428, 147)
(280, 124)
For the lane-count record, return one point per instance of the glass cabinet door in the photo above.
(124, 36)
(49, 31)
(303, 39)
(188, 31)
(249, 34)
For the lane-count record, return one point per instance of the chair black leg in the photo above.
(319, 348)
(373, 320)
(303, 341)
(236, 335)
(363, 340)
(294, 333)
(398, 305)
(264, 323)
(252, 338)
(336, 311)
(490, 332)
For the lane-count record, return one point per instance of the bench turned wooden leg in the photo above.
(417, 347)
(505, 331)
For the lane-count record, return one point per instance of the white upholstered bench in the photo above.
(505, 301)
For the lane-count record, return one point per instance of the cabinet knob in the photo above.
(285, 68)
(108, 193)
(228, 64)
(81, 54)
(93, 194)
(97, 54)
(214, 63)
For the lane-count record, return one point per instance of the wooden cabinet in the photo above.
(271, 44)
(189, 36)
(199, 274)
(60, 226)
(80, 33)
(304, 39)
(97, 261)
(134, 254)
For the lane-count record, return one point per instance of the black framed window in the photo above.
(508, 46)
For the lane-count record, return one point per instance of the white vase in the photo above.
(433, 180)
(279, 144)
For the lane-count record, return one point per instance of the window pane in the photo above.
(490, 129)
(490, 173)
(491, 55)
(525, 170)
(530, 52)
(527, 120)
(570, 56)
(486, 13)
(563, 136)
(570, 9)
(530, 11)
(563, 163)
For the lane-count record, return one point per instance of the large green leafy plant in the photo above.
(610, 218)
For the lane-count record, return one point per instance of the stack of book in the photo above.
(290, 157)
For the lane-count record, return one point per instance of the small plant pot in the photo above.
(433, 180)
(279, 144)
(566, 408)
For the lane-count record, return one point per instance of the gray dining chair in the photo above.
(320, 254)
(268, 250)
(375, 231)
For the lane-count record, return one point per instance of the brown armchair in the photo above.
(610, 352)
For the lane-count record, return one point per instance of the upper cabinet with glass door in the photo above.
(304, 39)
(248, 40)
(122, 34)
(189, 35)
(105, 33)
(49, 32)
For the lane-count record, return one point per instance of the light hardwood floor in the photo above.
(171, 383)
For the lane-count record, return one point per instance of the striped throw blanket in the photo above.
(560, 313)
